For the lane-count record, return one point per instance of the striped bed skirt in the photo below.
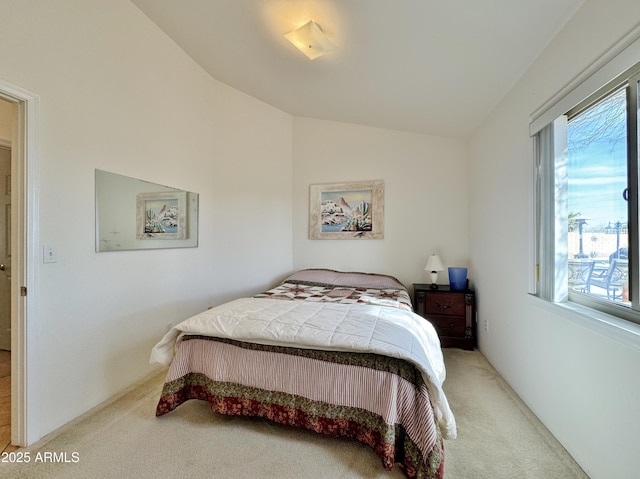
(380, 401)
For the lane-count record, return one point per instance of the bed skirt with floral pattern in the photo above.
(384, 403)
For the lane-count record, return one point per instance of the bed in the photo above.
(339, 353)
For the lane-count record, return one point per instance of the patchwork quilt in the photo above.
(396, 298)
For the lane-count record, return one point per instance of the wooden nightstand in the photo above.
(450, 312)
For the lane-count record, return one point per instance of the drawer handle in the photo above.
(444, 306)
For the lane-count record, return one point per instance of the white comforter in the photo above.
(335, 327)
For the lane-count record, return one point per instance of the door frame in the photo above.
(25, 410)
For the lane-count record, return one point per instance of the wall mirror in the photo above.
(135, 214)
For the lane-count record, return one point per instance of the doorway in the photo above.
(18, 134)
(6, 127)
(5, 294)
(5, 247)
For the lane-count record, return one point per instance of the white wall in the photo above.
(583, 384)
(426, 184)
(116, 94)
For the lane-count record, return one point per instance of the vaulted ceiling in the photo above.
(426, 66)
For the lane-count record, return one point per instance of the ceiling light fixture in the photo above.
(310, 40)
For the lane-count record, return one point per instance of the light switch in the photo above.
(49, 253)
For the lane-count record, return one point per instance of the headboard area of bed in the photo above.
(348, 279)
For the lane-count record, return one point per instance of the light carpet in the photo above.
(498, 438)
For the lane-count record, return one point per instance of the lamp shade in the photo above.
(310, 40)
(433, 266)
(434, 263)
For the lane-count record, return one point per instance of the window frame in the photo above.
(550, 253)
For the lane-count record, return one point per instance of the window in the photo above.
(587, 201)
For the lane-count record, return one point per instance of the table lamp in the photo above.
(434, 265)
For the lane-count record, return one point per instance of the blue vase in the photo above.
(458, 279)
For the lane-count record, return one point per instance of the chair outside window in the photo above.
(613, 279)
(579, 275)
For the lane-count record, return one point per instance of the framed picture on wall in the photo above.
(352, 210)
(161, 215)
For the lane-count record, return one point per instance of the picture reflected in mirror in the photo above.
(135, 214)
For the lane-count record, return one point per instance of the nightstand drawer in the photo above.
(452, 313)
(446, 326)
(450, 304)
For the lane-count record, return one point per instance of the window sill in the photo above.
(620, 330)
